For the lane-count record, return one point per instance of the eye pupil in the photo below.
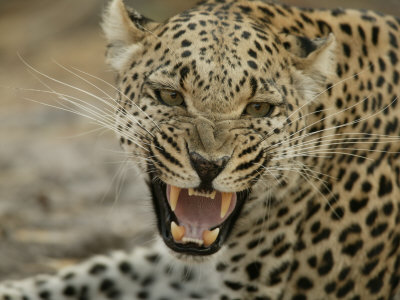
(173, 95)
(257, 106)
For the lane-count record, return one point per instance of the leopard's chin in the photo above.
(193, 222)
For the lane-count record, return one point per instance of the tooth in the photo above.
(177, 231)
(209, 237)
(173, 196)
(212, 195)
(191, 192)
(225, 203)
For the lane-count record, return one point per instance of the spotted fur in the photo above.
(322, 218)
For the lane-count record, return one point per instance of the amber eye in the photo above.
(259, 109)
(169, 97)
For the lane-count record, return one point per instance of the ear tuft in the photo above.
(124, 28)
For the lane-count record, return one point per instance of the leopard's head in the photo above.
(210, 103)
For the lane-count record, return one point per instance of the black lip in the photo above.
(165, 216)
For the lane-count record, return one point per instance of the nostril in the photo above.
(207, 169)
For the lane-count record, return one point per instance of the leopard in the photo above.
(268, 137)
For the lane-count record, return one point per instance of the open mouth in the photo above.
(195, 222)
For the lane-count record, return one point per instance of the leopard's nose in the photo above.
(207, 169)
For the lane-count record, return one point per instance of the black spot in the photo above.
(233, 285)
(304, 283)
(125, 267)
(393, 57)
(97, 269)
(143, 295)
(252, 53)
(369, 267)
(337, 213)
(330, 287)
(106, 284)
(266, 11)
(346, 28)
(323, 235)
(186, 53)
(346, 49)
(153, 258)
(388, 208)
(396, 77)
(376, 250)
(149, 62)
(338, 12)
(237, 257)
(361, 32)
(178, 34)
(253, 270)
(385, 186)
(186, 43)
(393, 40)
(282, 250)
(352, 179)
(184, 72)
(253, 85)
(368, 18)
(375, 35)
(192, 26)
(326, 264)
(380, 81)
(246, 35)
(345, 289)
(379, 229)
(382, 65)
(356, 205)
(370, 220)
(343, 273)
(299, 297)
(45, 295)
(366, 187)
(375, 284)
(69, 291)
(306, 19)
(352, 229)
(252, 64)
(245, 9)
(352, 248)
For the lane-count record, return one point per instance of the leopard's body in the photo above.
(322, 220)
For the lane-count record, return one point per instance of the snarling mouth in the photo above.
(195, 222)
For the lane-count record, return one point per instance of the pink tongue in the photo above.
(199, 213)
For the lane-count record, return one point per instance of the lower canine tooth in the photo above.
(209, 237)
(177, 231)
(225, 203)
(191, 192)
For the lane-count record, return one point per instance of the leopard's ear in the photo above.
(124, 29)
(314, 58)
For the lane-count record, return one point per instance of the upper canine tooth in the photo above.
(209, 237)
(212, 195)
(173, 196)
(225, 203)
(191, 192)
(178, 232)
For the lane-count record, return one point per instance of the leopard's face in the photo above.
(211, 109)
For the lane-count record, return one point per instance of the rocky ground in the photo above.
(66, 190)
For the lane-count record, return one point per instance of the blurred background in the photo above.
(66, 190)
